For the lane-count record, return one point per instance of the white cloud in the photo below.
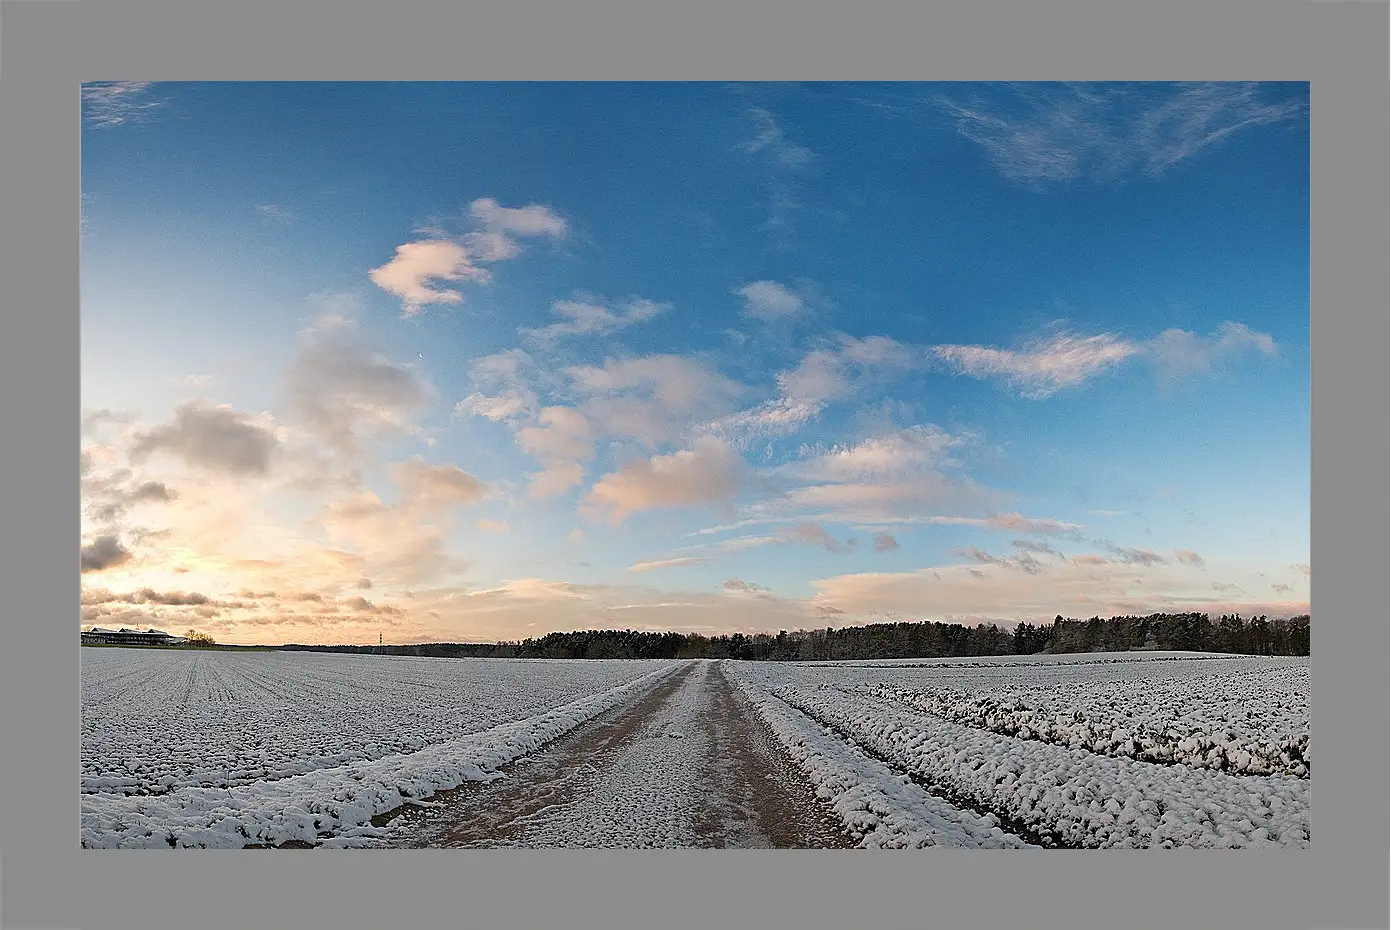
(1179, 354)
(654, 399)
(505, 373)
(562, 440)
(987, 591)
(409, 273)
(555, 479)
(436, 485)
(709, 472)
(531, 220)
(769, 300)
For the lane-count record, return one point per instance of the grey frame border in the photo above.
(47, 48)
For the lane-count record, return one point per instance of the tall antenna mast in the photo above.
(379, 638)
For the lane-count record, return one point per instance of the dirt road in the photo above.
(691, 764)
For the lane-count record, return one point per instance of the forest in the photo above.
(1194, 632)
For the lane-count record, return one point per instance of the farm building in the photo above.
(125, 636)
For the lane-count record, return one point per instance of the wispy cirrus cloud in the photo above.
(1051, 133)
(1043, 367)
(682, 562)
(788, 163)
(844, 366)
(585, 315)
(107, 104)
(275, 212)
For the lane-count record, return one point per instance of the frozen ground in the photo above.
(155, 721)
(333, 806)
(1055, 787)
(1146, 751)
(688, 765)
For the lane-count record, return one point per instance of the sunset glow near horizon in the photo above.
(446, 362)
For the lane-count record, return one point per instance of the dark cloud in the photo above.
(339, 387)
(94, 420)
(97, 596)
(104, 552)
(1189, 557)
(1022, 562)
(738, 584)
(153, 491)
(110, 500)
(217, 438)
(814, 534)
(885, 542)
(1042, 548)
(1145, 557)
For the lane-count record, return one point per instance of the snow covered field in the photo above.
(225, 749)
(1060, 749)
(155, 721)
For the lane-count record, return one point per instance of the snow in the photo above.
(647, 794)
(1053, 784)
(882, 808)
(1248, 720)
(333, 806)
(159, 721)
(223, 749)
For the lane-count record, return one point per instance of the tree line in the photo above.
(1194, 632)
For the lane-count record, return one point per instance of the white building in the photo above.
(125, 636)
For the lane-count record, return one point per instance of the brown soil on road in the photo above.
(689, 764)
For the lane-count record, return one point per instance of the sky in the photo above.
(479, 362)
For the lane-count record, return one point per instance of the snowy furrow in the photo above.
(882, 808)
(155, 721)
(333, 807)
(1074, 796)
(1254, 722)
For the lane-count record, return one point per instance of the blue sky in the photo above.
(469, 361)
